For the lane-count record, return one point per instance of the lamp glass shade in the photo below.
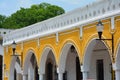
(14, 45)
(100, 27)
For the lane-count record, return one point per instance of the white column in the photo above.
(117, 74)
(25, 77)
(84, 72)
(41, 76)
(85, 75)
(60, 76)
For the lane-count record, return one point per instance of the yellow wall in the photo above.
(69, 36)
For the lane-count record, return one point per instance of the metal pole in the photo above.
(113, 47)
(21, 59)
(113, 72)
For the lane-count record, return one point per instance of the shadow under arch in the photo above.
(29, 54)
(97, 50)
(88, 51)
(43, 58)
(63, 54)
(69, 63)
(87, 54)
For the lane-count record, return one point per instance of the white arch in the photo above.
(14, 65)
(44, 59)
(17, 67)
(96, 50)
(87, 54)
(1, 50)
(27, 61)
(63, 56)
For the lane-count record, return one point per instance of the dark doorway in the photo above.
(1, 63)
(100, 69)
(15, 74)
(78, 70)
(34, 64)
(49, 69)
(36, 73)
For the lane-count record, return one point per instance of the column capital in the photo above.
(24, 74)
(59, 71)
(83, 70)
(115, 67)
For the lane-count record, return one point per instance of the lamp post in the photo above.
(100, 28)
(13, 49)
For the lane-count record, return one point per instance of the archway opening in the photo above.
(117, 69)
(70, 63)
(30, 67)
(36, 73)
(15, 74)
(15, 69)
(78, 70)
(97, 61)
(50, 67)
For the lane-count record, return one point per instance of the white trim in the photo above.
(57, 37)
(112, 23)
(81, 32)
(53, 25)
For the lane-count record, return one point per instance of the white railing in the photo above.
(4, 31)
(65, 21)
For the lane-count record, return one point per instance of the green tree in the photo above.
(2, 20)
(34, 14)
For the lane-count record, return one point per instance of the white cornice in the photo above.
(81, 16)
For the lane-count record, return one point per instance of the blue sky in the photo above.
(7, 7)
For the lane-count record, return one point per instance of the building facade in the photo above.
(2, 33)
(67, 47)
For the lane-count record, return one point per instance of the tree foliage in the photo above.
(2, 20)
(34, 14)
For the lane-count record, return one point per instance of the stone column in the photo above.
(85, 75)
(84, 72)
(60, 76)
(41, 76)
(117, 74)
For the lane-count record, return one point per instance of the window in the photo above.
(4, 32)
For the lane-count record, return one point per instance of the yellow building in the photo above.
(67, 47)
(2, 33)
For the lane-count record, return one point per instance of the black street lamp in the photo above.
(100, 28)
(13, 47)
